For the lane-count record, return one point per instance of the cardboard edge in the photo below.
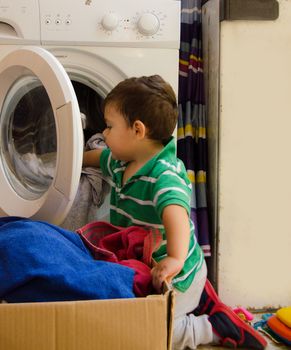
(169, 293)
(171, 310)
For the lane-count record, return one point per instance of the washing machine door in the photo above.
(41, 139)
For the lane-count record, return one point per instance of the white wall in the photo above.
(254, 248)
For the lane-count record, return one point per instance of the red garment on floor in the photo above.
(131, 246)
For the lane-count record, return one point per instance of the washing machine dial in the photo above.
(148, 24)
(110, 21)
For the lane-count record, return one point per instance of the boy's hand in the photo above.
(165, 270)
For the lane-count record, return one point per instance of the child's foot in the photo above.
(208, 299)
(232, 331)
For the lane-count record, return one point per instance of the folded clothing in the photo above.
(284, 315)
(280, 329)
(43, 262)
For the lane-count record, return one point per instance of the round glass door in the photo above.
(41, 139)
(28, 138)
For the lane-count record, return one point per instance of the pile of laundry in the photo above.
(42, 262)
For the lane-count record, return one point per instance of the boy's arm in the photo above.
(176, 222)
(92, 158)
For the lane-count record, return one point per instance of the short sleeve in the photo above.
(171, 189)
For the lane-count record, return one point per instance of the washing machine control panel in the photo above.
(130, 23)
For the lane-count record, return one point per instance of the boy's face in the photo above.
(119, 137)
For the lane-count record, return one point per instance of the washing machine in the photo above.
(58, 61)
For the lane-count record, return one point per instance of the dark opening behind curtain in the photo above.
(192, 146)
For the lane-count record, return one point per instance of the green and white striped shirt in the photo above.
(160, 182)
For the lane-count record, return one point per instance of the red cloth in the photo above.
(131, 246)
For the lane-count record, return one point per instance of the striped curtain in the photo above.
(192, 147)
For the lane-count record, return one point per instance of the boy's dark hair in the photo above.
(148, 99)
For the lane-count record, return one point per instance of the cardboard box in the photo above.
(117, 324)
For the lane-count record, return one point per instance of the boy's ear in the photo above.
(140, 129)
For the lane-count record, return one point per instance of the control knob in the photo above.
(148, 24)
(110, 21)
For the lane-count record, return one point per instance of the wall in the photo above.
(254, 167)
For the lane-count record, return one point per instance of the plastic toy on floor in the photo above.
(244, 314)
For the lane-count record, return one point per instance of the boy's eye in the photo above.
(108, 126)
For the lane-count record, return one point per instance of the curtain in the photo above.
(192, 146)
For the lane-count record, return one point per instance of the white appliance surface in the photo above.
(98, 44)
(19, 22)
(124, 23)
